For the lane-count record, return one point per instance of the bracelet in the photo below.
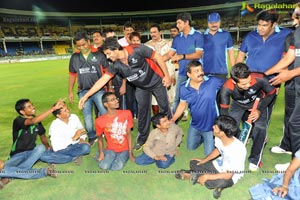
(285, 187)
(183, 57)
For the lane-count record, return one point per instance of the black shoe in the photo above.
(137, 146)
(194, 178)
(217, 192)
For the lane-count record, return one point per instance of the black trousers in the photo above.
(294, 124)
(208, 168)
(258, 133)
(143, 98)
(289, 97)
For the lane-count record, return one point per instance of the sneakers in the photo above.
(137, 146)
(93, 141)
(282, 167)
(252, 167)
(277, 149)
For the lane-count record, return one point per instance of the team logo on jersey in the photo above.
(142, 73)
(94, 59)
(93, 70)
(251, 91)
(134, 60)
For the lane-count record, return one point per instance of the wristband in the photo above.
(183, 57)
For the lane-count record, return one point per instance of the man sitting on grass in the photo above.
(161, 145)
(116, 126)
(225, 165)
(67, 137)
(24, 152)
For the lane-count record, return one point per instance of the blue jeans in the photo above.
(144, 159)
(65, 155)
(20, 165)
(87, 110)
(196, 138)
(179, 80)
(114, 160)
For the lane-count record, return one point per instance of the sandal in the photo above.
(4, 181)
(51, 171)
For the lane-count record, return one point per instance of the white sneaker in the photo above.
(253, 167)
(282, 167)
(277, 149)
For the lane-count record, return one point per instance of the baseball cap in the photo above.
(213, 17)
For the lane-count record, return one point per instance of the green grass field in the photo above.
(44, 83)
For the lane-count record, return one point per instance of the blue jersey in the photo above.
(187, 45)
(202, 102)
(262, 55)
(214, 52)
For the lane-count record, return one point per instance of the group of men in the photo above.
(201, 84)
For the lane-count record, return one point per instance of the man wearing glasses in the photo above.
(116, 126)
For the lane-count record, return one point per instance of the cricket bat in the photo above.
(247, 125)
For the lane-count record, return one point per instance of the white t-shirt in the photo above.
(61, 133)
(297, 154)
(232, 158)
(123, 42)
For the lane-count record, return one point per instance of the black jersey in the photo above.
(141, 70)
(260, 88)
(24, 136)
(89, 70)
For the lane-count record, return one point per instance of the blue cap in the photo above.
(213, 17)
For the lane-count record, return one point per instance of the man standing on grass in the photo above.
(217, 43)
(87, 66)
(263, 47)
(162, 46)
(290, 142)
(186, 46)
(116, 126)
